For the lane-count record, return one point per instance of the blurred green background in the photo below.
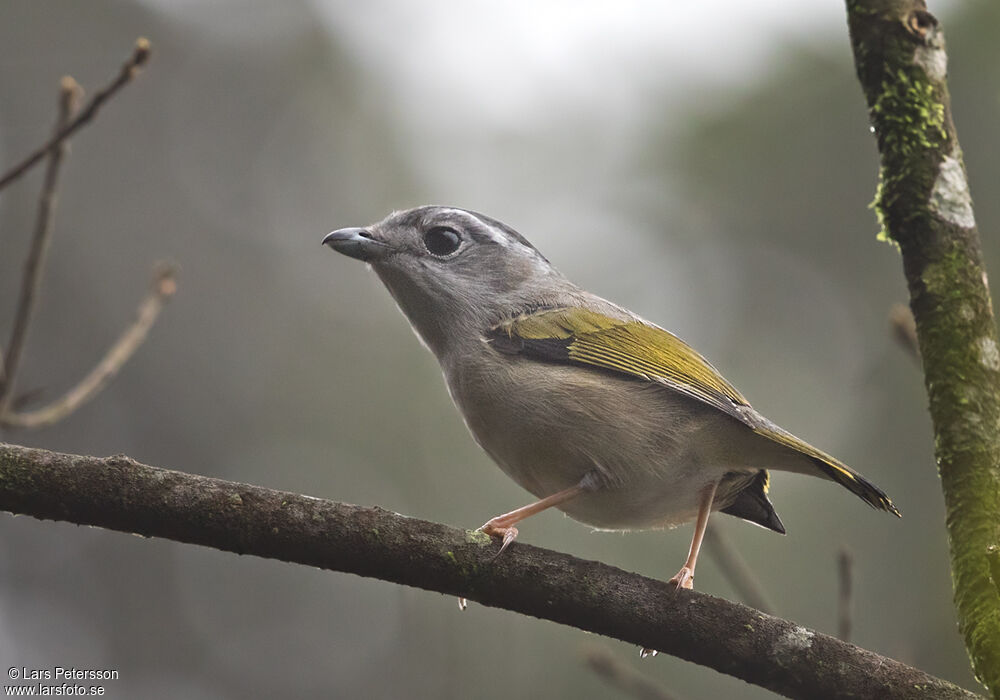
(709, 168)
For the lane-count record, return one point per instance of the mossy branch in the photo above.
(121, 494)
(924, 207)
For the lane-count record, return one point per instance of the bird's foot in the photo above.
(683, 578)
(496, 528)
(646, 652)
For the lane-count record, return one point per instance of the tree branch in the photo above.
(121, 494)
(736, 570)
(69, 95)
(140, 54)
(163, 287)
(924, 206)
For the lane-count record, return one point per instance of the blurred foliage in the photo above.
(733, 214)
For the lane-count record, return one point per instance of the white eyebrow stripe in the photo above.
(496, 236)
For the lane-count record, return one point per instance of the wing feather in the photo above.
(630, 346)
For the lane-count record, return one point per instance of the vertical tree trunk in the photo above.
(924, 207)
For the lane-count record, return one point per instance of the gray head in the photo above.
(453, 272)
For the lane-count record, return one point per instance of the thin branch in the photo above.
(140, 55)
(845, 602)
(622, 676)
(121, 494)
(736, 570)
(163, 287)
(924, 206)
(69, 98)
(904, 329)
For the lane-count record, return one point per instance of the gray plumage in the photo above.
(554, 414)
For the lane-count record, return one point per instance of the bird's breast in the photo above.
(549, 425)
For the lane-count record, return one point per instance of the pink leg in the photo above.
(685, 577)
(503, 525)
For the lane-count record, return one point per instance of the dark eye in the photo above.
(442, 240)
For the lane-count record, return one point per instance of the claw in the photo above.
(683, 579)
(646, 652)
(507, 532)
(508, 537)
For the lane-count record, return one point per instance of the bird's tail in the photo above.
(822, 464)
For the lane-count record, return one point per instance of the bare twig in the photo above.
(622, 676)
(69, 97)
(163, 287)
(164, 283)
(736, 570)
(904, 329)
(121, 494)
(845, 603)
(140, 55)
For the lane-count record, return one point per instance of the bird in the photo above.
(592, 409)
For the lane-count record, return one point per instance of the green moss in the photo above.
(878, 206)
(940, 277)
(909, 119)
(993, 560)
(964, 406)
(478, 537)
(468, 571)
(955, 322)
(983, 637)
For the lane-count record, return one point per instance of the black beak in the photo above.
(356, 243)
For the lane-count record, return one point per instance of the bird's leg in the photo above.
(685, 577)
(503, 525)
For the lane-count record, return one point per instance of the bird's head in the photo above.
(453, 272)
